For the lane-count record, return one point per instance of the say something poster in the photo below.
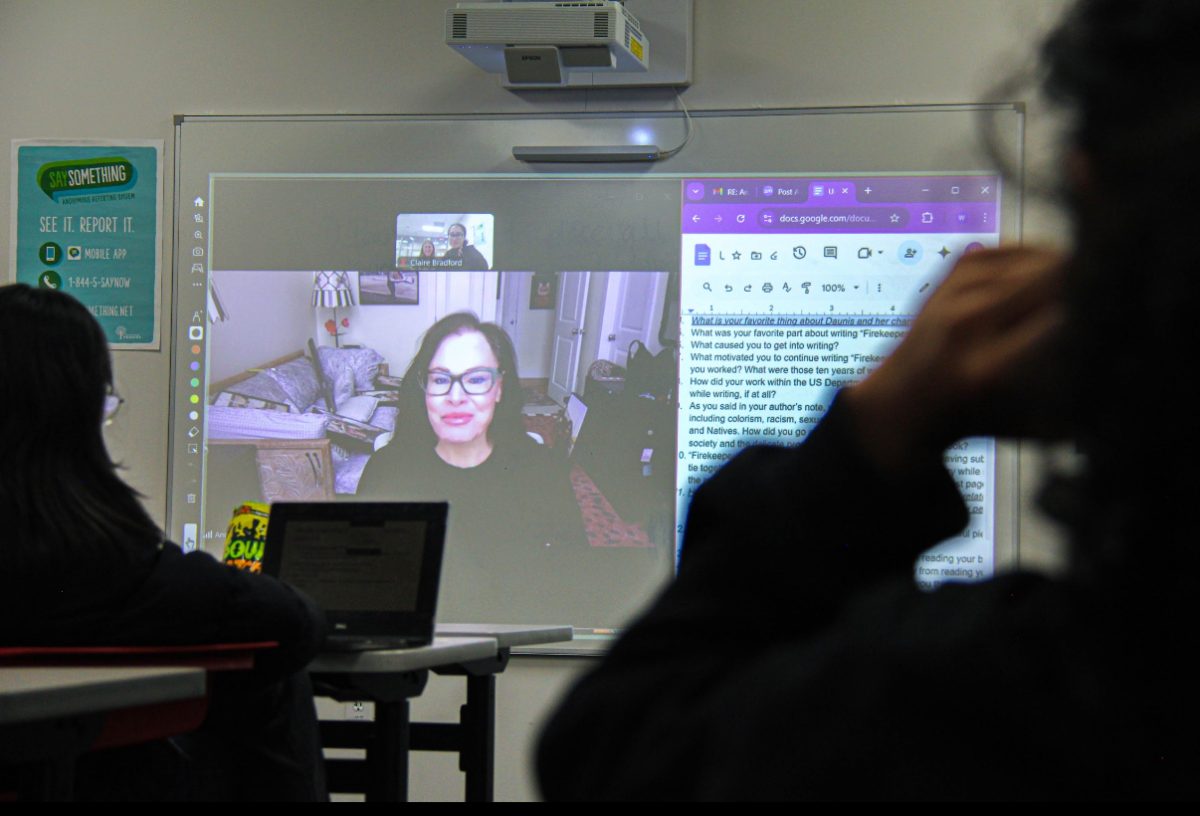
(87, 220)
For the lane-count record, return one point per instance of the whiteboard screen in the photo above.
(635, 325)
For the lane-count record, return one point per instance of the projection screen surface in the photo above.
(632, 326)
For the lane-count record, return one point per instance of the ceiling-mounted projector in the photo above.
(541, 44)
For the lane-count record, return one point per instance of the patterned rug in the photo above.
(604, 526)
(536, 396)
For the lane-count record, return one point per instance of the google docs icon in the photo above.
(703, 255)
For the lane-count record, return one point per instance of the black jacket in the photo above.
(468, 259)
(259, 740)
(169, 598)
(794, 658)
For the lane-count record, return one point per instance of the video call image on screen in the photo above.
(625, 336)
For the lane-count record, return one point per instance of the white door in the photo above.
(512, 285)
(459, 291)
(568, 333)
(635, 312)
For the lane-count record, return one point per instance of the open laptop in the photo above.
(374, 567)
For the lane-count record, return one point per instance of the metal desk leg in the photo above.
(383, 774)
(387, 757)
(478, 757)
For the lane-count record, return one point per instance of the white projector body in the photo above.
(544, 44)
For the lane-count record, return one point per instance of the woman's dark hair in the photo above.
(507, 428)
(1125, 73)
(61, 500)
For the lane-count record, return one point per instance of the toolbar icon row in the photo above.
(908, 253)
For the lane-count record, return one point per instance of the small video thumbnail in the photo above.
(445, 241)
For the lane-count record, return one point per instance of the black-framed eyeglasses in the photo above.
(112, 404)
(457, 234)
(475, 382)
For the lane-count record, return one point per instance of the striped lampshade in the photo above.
(331, 289)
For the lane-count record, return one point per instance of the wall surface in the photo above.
(534, 339)
(124, 68)
(281, 300)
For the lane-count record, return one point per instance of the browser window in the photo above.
(792, 288)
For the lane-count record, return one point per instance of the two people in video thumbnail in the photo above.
(443, 241)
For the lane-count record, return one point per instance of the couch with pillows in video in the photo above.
(313, 421)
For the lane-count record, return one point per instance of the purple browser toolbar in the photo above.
(889, 204)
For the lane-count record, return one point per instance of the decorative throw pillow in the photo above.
(265, 388)
(363, 363)
(361, 408)
(297, 380)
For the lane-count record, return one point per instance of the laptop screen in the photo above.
(372, 566)
(356, 567)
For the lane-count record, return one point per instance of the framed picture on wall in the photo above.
(543, 290)
(391, 287)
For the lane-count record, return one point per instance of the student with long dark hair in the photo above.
(84, 565)
(793, 657)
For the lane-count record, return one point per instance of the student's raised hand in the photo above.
(981, 358)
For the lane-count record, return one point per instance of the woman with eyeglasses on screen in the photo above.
(461, 438)
(84, 565)
(462, 255)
